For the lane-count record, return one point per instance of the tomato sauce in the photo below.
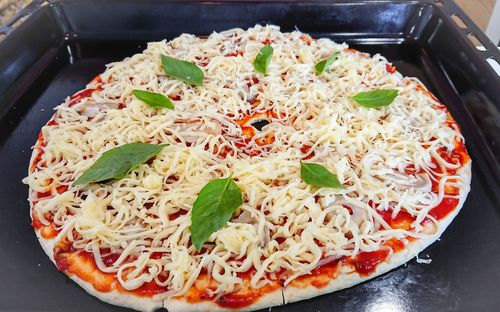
(238, 299)
(320, 276)
(395, 244)
(252, 81)
(249, 132)
(97, 80)
(245, 297)
(40, 143)
(149, 289)
(177, 214)
(236, 53)
(390, 69)
(446, 206)
(77, 97)
(305, 149)
(36, 223)
(43, 195)
(194, 295)
(457, 156)
(36, 160)
(61, 189)
(48, 231)
(247, 119)
(351, 50)
(110, 259)
(306, 38)
(82, 264)
(403, 219)
(426, 92)
(365, 263)
(235, 301)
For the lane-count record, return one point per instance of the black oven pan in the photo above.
(63, 44)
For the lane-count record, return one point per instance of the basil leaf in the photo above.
(116, 163)
(317, 175)
(213, 208)
(182, 70)
(262, 60)
(321, 66)
(376, 98)
(153, 99)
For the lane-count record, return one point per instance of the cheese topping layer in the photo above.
(284, 225)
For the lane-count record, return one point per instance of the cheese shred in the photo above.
(284, 225)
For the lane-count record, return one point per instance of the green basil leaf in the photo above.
(116, 163)
(317, 175)
(182, 70)
(376, 98)
(213, 209)
(263, 59)
(153, 99)
(323, 65)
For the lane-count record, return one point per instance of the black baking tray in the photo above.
(64, 44)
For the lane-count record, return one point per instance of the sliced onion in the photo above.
(244, 217)
(326, 260)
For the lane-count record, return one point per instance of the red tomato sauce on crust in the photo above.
(446, 206)
(78, 96)
(236, 53)
(320, 276)
(395, 244)
(148, 289)
(365, 263)
(82, 264)
(403, 219)
(48, 231)
(390, 69)
(52, 122)
(235, 301)
(305, 149)
(238, 299)
(36, 223)
(177, 214)
(244, 298)
(426, 92)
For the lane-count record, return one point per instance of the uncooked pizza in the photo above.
(243, 170)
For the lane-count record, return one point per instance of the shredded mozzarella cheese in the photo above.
(283, 224)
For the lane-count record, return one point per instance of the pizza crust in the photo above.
(279, 296)
(118, 298)
(272, 299)
(343, 280)
(113, 297)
